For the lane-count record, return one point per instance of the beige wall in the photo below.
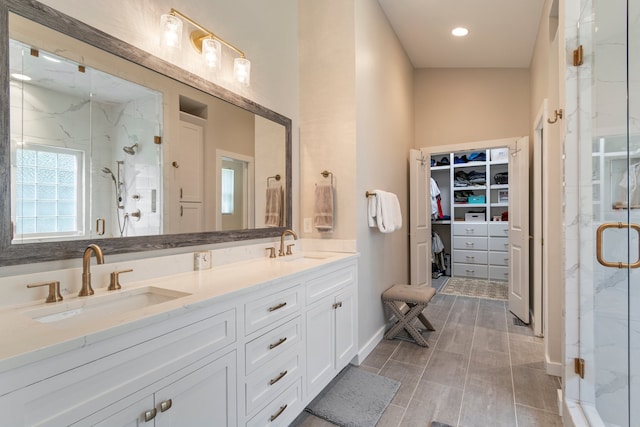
(356, 121)
(384, 88)
(454, 105)
(545, 84)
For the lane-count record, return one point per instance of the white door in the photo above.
(519, 228)
(419, 219)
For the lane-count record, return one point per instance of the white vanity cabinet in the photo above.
(131, 374)
(331, 320)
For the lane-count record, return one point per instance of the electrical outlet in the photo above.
(307, 225)
(201, 260)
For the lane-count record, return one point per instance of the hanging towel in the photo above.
(323, 208)
(435, 192)
(273, 207)
(384, 211)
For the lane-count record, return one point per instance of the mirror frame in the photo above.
(12, 254)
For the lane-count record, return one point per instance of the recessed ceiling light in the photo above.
(22, 77)
(459, 31)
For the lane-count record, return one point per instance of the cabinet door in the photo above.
(320, 345)
(131, 416)
(189, 158)
(205, 397)
(345, 327)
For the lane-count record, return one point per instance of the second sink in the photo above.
(106, 305)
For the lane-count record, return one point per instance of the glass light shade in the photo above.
(212, 52)
(242, 71)
(171, 27)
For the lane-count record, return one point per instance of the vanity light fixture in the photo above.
(205, 42)
(460, 31)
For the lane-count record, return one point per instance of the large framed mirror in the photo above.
(102, 142)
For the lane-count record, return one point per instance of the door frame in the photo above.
(249, 209)
(540, 253)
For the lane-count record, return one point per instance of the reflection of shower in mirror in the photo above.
(131, 149)
(118, 184)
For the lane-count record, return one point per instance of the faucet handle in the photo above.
(54, 290)
(289, 249)
(272, 252)
(114, 284)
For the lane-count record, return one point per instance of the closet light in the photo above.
(460, 31)
(204, 42)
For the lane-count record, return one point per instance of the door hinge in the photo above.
(157, 140)
(578, 58)
(579, 366)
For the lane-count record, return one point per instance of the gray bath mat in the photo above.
(355, 398)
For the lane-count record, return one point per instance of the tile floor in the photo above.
(480, 370)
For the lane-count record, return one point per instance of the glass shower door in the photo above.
(610, 279)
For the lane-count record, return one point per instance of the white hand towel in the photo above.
(388, 215)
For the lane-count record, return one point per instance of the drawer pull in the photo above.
(166, 405)
(277, 307)
(469, 243)
(149, 415)
(337, 305)
(506, 244)
(278, 378)
(469, 230)
(470, 257)
(272, 346)
(277, 414)
(470, 271)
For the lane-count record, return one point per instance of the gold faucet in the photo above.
(282, 236)
(86, 289)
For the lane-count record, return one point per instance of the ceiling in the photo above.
(502, 33)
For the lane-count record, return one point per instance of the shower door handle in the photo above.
(600, 256)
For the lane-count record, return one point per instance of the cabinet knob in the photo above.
(150, 415)
(175, 165)
(166, 405)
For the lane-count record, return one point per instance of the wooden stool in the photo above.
(416, 298)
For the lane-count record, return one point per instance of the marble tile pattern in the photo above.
(479, 370)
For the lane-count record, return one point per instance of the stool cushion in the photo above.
(410, 294)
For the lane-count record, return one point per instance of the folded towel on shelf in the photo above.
(384, 211)
(323, 208)
(274, 207)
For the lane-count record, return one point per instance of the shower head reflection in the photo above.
(130, 149)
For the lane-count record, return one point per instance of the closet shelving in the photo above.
(475, 234)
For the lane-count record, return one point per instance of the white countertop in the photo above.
(25, 340)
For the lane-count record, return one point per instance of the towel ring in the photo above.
(269, 178)
(326, 174)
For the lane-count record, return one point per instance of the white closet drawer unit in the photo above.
(266, 383)
(270, 345)
(470, 270)
(470, 243)
(499, 229)
(469, 229)
(470, 257)
(499, 244)
(498, 273)
(499, 258)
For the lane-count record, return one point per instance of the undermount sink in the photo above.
(106, 305)
(308, 256)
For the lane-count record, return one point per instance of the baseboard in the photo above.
(553, 368)
(369, 346)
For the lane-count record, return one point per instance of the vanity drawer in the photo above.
(498, 273)
(499, 229)
(266, 383)
(470, 270)
(329, 283)
(499, 244)
(470, 229)
(268, 309)
(499, 258)
(470, 257)
(272, 344)
(470, 243)
(282, 410)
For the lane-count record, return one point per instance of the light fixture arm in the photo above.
(197, 36)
